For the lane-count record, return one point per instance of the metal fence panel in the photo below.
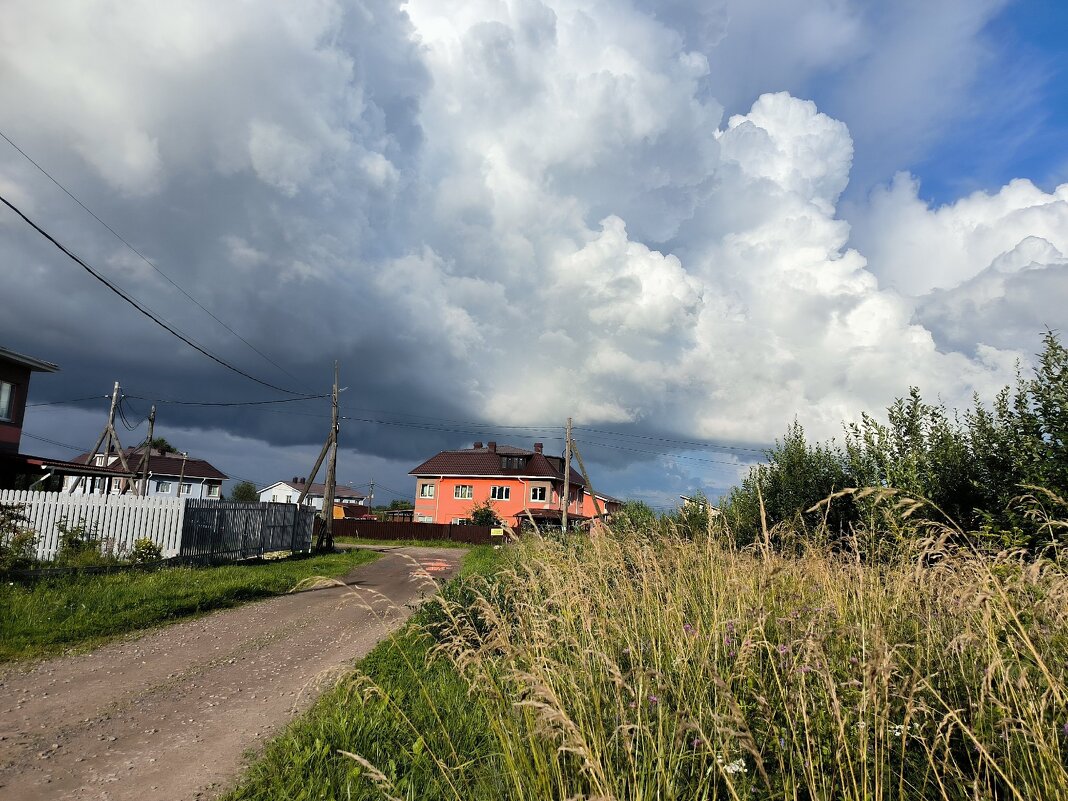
(227, 530)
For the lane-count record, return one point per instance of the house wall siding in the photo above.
(11, 430)
(445, 507)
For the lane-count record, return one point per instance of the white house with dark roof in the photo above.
(170, 475)
(289, 492)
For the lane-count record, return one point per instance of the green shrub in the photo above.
(971, 468)
(145, 550)
(18, 544)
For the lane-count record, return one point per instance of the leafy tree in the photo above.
(161, 444)
(245, 492)
(398, 505)
(484, 514)
(636, 515)
(973, 466)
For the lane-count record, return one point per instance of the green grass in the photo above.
(649, 665)
(405, 543)
(389, 712)
(49, 616)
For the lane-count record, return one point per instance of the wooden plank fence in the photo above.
(116, 520)
(399, 530)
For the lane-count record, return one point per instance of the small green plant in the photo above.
(145, 550)
(80, 546)
(18, 543)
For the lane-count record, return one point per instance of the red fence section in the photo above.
(391, 530)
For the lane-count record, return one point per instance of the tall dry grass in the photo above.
(632, 666)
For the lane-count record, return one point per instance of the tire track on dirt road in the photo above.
(170, 714)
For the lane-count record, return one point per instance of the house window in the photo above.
(7, 400)
(511, 462)
(424, 519)
(500, 493)
(426, 490)
(537, 493)
(99, 460)
(463, 492)
(163, 487)
(185, 489)
(213, 490)
(274, 497)
(459, 521)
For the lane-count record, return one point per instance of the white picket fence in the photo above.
(117, 520)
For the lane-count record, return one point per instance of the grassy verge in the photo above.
(416, 543)
(390, 712)
(634, 667)
(49, 616)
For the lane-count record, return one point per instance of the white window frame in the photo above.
(535, 492)
(463, 492)
(213, 490)
(459, 521)
(185, 489)
(424, 519)
(163, 487)
(500, 492)
(426, 489)
(7, 401)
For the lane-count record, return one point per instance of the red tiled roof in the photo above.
(484, 462)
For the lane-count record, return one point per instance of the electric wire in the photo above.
(65, 402)
(141, 308)
(227, 403)
(142, 256)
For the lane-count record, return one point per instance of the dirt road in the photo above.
(169, 715)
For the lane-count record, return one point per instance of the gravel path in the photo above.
(169, 715)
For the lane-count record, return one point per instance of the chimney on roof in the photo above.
(304, 480)
(296, 480)
(538, 447)
(492, 446)
(478, 446)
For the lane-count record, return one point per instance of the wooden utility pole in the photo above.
(181, 476)
(326, 534)
(567, 477)
(111, 434)
(331, 471)
(586, 478)
(147, 451)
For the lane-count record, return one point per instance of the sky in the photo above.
(684, 225)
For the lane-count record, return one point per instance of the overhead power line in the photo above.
(150, 315)
(142, 256)
(65, 402)
(692, 443)
(67, 445)
(226, 403)
(661, 453)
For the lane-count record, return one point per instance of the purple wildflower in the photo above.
(784, 648)
(688, 628)
(654, 699)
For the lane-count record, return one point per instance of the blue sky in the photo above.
(1022, 130)
(676, 222)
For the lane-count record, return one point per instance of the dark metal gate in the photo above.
(228, 531)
